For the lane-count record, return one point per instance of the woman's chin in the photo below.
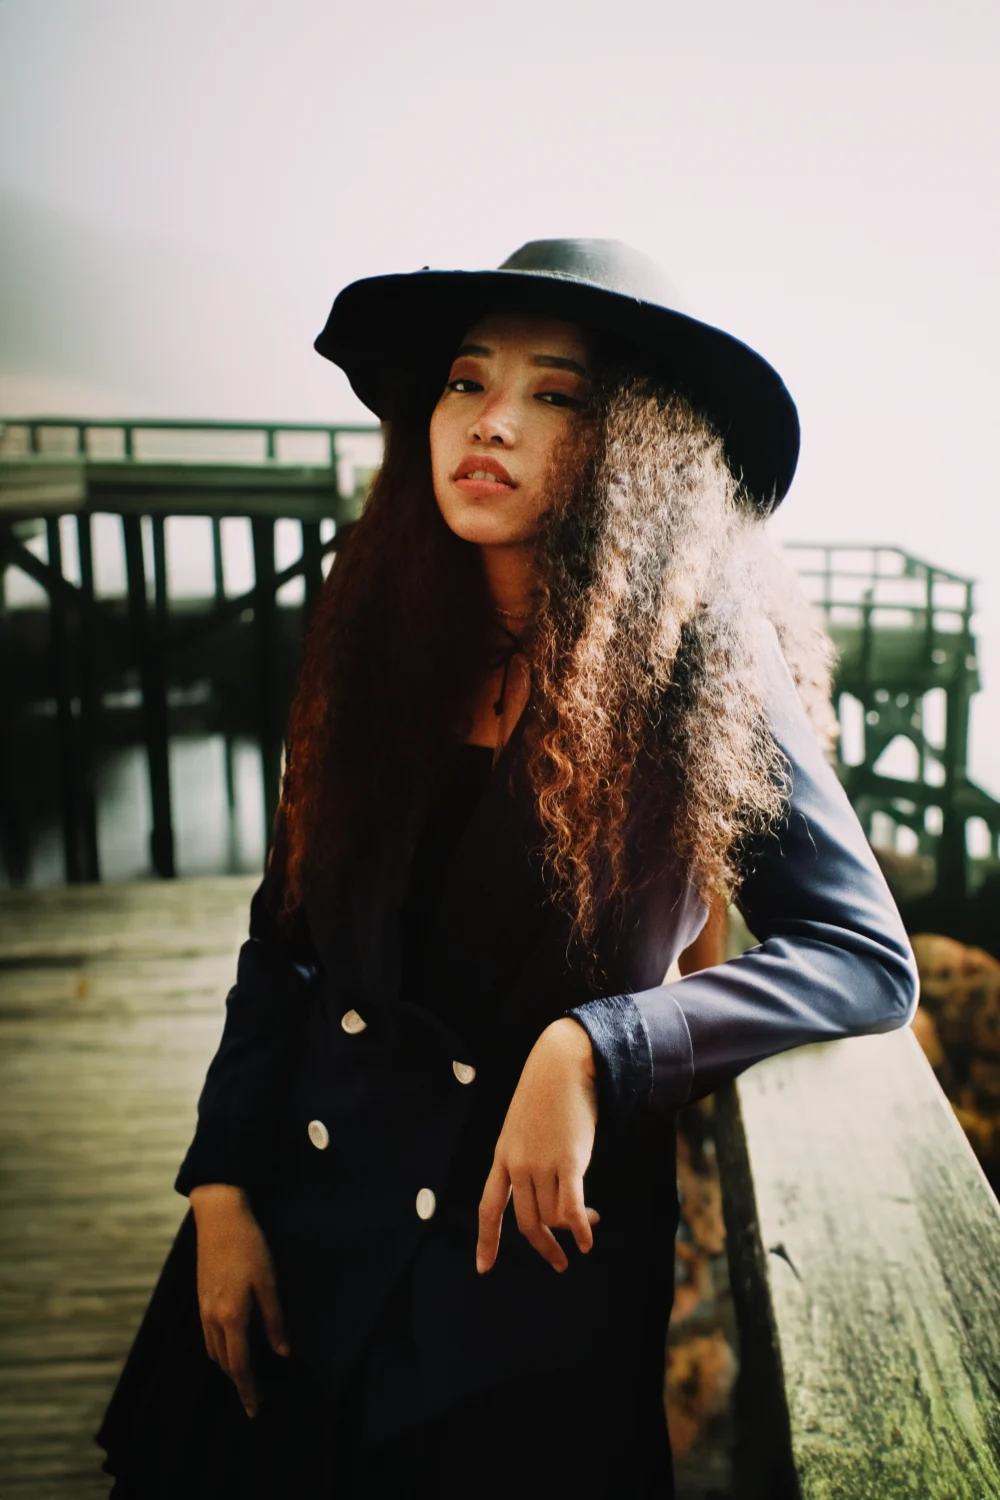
(478, 526)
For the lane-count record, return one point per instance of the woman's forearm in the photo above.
(216, 1197)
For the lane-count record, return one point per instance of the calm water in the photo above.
(210, 836)
(218, 812)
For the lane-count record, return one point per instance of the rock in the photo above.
(926, 1032)
(699, 1379)
(960, 987)
(701, 1193)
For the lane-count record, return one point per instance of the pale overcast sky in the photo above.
(185, 187)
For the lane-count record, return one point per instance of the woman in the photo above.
(557, 696)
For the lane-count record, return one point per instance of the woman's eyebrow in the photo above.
(549, 361)
(559, 362)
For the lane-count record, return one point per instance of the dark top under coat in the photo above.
(463, 783)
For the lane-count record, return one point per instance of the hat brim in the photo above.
(383, 325)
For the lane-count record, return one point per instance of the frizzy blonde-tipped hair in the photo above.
(653, 577)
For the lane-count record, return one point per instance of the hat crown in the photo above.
(610, 264)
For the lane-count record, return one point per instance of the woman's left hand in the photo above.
(544, 1149)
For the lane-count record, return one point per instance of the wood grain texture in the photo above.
(111, 1006)
(864, 1246)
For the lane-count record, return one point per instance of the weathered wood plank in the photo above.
(111, 1004)
(161, 918)
(864, 1247)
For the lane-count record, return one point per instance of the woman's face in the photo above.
(514, 392)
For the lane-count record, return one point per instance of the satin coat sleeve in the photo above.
(833, 959)
(236, 1133)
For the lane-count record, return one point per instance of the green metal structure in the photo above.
(907, 667)
(77, 657)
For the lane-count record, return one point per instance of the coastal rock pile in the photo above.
(702, 1363)
(958, 1026)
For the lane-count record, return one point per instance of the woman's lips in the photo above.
(483, 486)
(479, 475)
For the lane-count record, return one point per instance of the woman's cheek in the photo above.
(442, 434)
(440, 468)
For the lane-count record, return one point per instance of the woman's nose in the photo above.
(494, 422)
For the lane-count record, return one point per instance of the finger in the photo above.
(538, 1235)
(573, 1212)
(212, 1344)
(240, 1373)
(547, 1198)
(496, 1196)
(593, 1217)
(274, 1318)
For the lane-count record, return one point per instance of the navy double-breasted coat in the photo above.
(363, 1127)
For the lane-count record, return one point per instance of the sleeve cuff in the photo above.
(224, 1149)
(622, 1053)
(671, 1046)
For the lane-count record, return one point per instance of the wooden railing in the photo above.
(864, 1252)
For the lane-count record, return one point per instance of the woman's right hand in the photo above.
(234, 1267)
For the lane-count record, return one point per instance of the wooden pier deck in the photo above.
(112, 1000)
(111, 1005)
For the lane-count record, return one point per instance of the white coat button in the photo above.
(426, 1204)
(464, 1072)
(352, 1023)
(319, 1135)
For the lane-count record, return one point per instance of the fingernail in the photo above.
(284, 1349)
(480, 1263)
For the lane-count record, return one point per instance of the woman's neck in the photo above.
(510, 581)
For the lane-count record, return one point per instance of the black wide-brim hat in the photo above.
(383, 326)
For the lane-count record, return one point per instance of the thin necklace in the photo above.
(513, 614)
(503, 657)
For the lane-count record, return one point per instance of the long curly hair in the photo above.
(653, 572)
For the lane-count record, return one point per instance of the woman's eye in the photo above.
(463, 381)
(559, 398)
